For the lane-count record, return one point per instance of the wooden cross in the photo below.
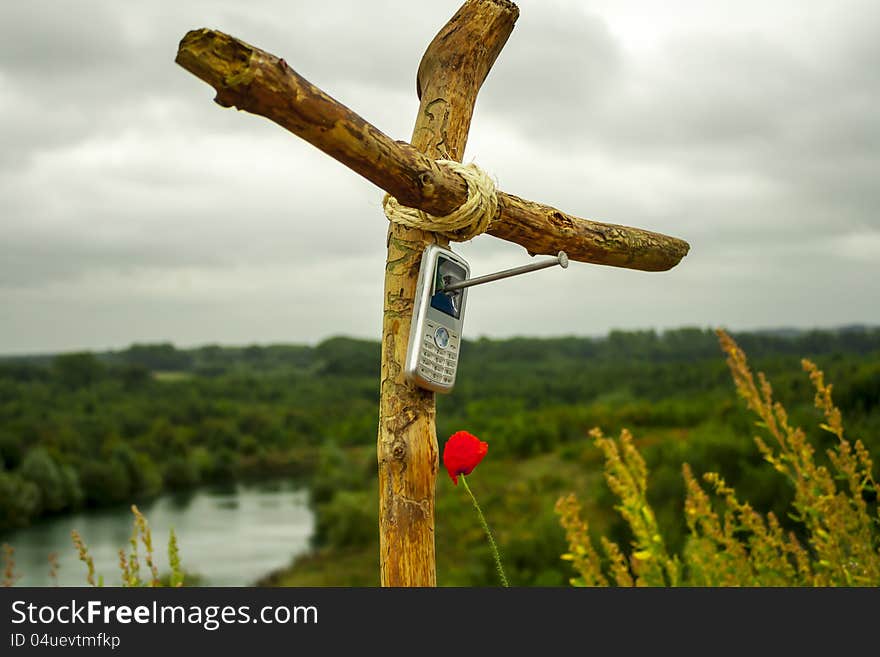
(451, 72)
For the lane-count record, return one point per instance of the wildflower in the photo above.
(462, 453)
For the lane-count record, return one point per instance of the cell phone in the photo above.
(438, 316)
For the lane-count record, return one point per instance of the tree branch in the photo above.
(253, 80)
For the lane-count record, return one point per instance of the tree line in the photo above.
(93, 429)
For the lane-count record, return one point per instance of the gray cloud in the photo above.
(132, 208)
(759, 139)
(555, 74)
(39, 39)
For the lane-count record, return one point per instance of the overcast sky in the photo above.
(134, 209)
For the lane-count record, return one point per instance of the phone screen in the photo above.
(447, 272)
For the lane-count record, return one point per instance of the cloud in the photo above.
(133, 208)
(736, 132)
(220, 200)
(557, 71)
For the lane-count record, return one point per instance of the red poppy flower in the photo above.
(462, 453)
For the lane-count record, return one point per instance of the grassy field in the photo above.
(172, 377)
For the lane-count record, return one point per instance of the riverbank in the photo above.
(230, 536)
(517, 495)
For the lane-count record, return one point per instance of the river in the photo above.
(229, 537)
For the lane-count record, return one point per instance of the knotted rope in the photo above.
(470, 219)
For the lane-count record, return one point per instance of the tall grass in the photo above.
(129, 563)
(836, 536)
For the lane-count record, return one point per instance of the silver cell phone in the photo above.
(435, 333)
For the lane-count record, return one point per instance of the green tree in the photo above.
(181, 472)
(347, 356)
(19, 501)
(105, 482)
(78, 370)
(41, 470)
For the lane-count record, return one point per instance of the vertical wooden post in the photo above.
(449, 78)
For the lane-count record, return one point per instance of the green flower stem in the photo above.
(495, 552)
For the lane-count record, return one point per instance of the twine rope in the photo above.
(470, 219)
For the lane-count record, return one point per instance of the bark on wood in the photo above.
(258, 82)
(452, 70)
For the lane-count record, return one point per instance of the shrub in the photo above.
(19, 501)
(146, 476)
(336, 471)
(40, 469)
(348, 520)
(181, 472)
(104, 482)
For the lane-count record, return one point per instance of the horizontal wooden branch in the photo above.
(253, 80)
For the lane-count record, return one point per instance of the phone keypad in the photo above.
(439, 359)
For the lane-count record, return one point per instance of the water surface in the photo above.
(230, 537)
